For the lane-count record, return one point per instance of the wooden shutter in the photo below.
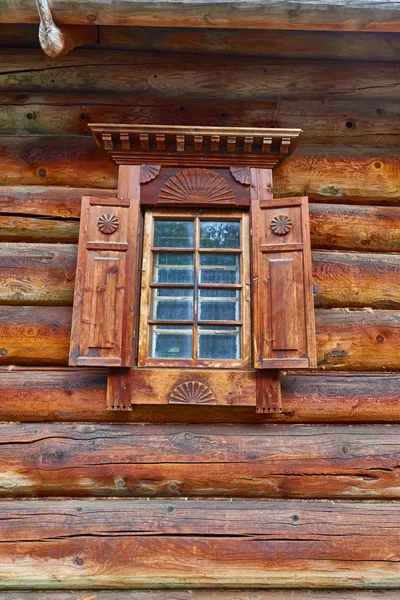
(105, 302)
(283, 308)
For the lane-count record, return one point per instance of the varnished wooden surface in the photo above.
(364, 15)
(62, 395)
(338, 175)
(346, 340)
(265, 461)
(201, 543)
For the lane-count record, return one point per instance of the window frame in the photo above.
(150, 215)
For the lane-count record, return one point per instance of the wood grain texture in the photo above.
(198, 543)
(151, 73)
(253, 594)
(18, 228)
(339, 175)
(268, 461)
(329, 122)
(62, 395)
(360, 15)
(32, 274)
(347, 340)
(37, 273)
(333, 226)
(362, 228)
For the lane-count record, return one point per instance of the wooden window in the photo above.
(195, 296)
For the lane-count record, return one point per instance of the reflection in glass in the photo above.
(172, 304)
(219, 268)
(170, 341)
(218, 305)
(219, 234)
(173, 234)
(170, 267)
(217, 341)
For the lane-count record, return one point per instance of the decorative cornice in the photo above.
(195, 146)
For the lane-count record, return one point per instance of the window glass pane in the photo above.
(219, 342)
(173, 234)
(170, 267)
(219, 268)
(220, 234)
(172, 304)
(170, 341)
(218, 305)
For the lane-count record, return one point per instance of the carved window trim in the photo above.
(244, 289)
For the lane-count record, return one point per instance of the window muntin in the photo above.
(195, 301)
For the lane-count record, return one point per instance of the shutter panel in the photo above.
(283, 306)
(105, 300)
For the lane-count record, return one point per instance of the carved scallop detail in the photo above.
(192, 392)
(281, 224)
(241, 174)
(196, 186)
(108, 223)
(149, 172)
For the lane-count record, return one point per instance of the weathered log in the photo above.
(337, 122)
(363, 228)
(204, 595)
(80, 395)
(327, 45)
(354, 340)
(339, 175)
(241, 78)
(33, 274)
(30, 229)
(333, 226)
(203, 543)
(200, 460)
(37, 273)
(360, 15)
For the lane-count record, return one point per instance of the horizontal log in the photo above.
(32, 274)
(347, 340)
(337, 122)
(203, 595)
(360, 15)
(80, 395)
(333, 226)
(162, 74)
(328, 45)
(203, 543)
(37, 273)
(200, 460)
(336, 174)
(30, 229)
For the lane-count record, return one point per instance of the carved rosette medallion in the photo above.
(241, 174)
(197, 186)
(108, 223)
(281, 224)
(149, 172)
(192, 392)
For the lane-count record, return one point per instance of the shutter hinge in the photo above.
(314, 287)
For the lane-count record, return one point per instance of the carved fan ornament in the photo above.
(192, 392)
(149, 172)
(197, 185)
(241, 174)
(281, 224)
(108, 223)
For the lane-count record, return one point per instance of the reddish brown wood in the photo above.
(80, 395)
(104, 316)
(267, 461)
(209, 594)
(283, 308)
(133, 544)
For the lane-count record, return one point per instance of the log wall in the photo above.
(97, 505)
